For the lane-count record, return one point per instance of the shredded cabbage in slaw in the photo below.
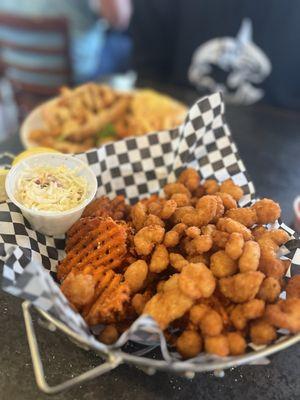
(49, 188)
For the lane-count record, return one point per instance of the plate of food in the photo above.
(93, 114)
(175, 253)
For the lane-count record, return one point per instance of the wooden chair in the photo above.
(34, 54)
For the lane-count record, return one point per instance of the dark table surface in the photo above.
(269, 144)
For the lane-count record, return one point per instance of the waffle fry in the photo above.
(104, 246)
(103, 207)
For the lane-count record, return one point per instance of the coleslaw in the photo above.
(47, 188)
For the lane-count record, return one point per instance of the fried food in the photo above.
(242, 286)
(249, 260)
(112, 295)
(211, 323)
(242, 313)
(160, 259)
(211, 186)
(103, 246)
(135, 275)
(237, 343)
(285, 314)
(109, 335)
(293, 287)
(228, 186)
(246, 216)
(190, 178)
(189, 344)
(269, 290)
(200, 275)
(217, 345)
(147, 238)
(262, 333)
(234, 246)
(104, 207)
(93, 114)
(196, 281)
(230, 225)
(267, 211)
(177, 261)
(222, 265)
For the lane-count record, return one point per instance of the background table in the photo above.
(269, 144)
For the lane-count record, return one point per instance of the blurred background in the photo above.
(248, 49)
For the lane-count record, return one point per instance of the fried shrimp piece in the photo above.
(242, 286)
(218, 345)
(109, 334)
(189, 344)
(208, 229)
(139, 301)
(269, 244)
(205, 212)
(147, 237)
(259, 231)
(285, 314)
(168, 209)
(249, 260)
(178, 261)
(160, 259)
(189, 178)
(237, 343)
(246, 216)
(79, 289)
(267, 211)
(152, 219)
(196, 281)
(220, 238)
(172, 237)
(230, 225)
(135, 275)
(211, 323)
(211, 186)
(192, 232)
(231, 188)
(242, 313)
(222, 265)
(234, 246)
(269, 290)
(261, 332)
(293, 287)
(197, 312)
(228, 201)
(200, 244)
(167, 306)
(220, 209)
(138, 215)
(181, 199)
(172, 188)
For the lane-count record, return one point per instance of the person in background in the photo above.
(90, 25)
(248, 49)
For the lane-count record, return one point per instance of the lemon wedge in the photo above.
(31, 152)
(3, 195)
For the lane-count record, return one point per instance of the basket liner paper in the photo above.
(134, 167)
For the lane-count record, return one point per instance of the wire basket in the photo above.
(113, 358)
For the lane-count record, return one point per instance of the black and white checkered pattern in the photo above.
(134, 167)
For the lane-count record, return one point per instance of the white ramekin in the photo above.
(53, 223)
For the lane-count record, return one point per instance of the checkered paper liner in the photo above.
(134, 167)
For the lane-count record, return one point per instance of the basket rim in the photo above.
(178, 366)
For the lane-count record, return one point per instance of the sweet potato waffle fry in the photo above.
(102, 246)
(205, 269)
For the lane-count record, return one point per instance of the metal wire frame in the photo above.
(116, 357)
